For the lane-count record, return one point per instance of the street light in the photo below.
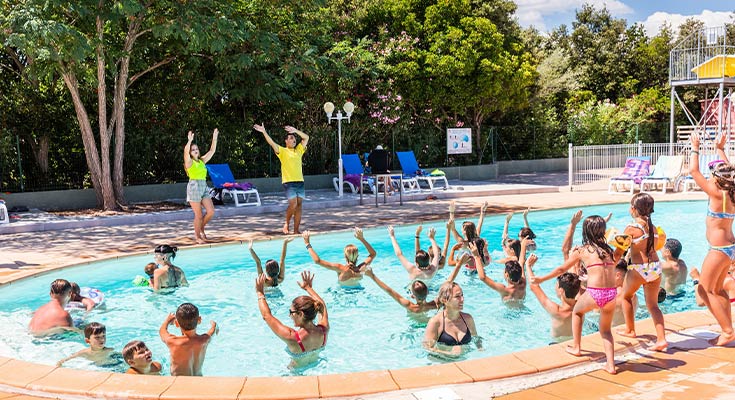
(329, 109)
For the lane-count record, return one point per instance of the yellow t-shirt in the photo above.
(291, 163)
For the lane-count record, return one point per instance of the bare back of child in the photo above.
(188, 350)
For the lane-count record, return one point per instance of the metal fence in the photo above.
(591, 167)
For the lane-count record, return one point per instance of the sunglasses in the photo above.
(713, 164)
(291, 312)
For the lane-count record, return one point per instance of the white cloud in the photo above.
(533, 12)
(653, 23)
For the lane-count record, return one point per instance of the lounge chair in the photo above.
(222, 179)
(636, 168)
(4, 217)
(353, 170)
(666, 171)
(409, 183)
(687, 182)
(411, 169)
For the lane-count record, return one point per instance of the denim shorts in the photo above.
(294, 189)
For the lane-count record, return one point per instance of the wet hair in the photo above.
(445, 293)
(187, 315)
(431, 255)
(94, 328)
(469, 230)
(643, 205)
(514, 271)
(131, 348)
(480, 244)
(149, 269)
(724, 177)
(272, 269)
(422, 259)
(60, 286)
(674, 247)
(569, 283)
(308, 306)
(419, 290)
(75, 289)
(526, 232)
(593, 233)
(351, 254)
(166, 249)
(622, 266)
(661, 295)
(515, 245)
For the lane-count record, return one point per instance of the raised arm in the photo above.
(566, 245)
(481, 218)
(445, 247)
(255, 258)
(306, 283)
(570, 262)
(315, 257)
(371, 251)
(452, 208)
(304, 137)
(274, 145)
(462, 261)
(282, 271)
(212, 147)
(281, 330)
(435, 248)
(187, 149)
(392, 293)
(417, 241)
(720, 146)
(498, 287)
(525, 218)
(710, 188)
(408, 265)
(163, 330)
(548, 305)
(505, 226)
(522, 255)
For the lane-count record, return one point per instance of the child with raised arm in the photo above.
(673, 269)
(274, 274)
(597, 257)
(348, 274)
(720, 189)
(140, 359)
(425, 267)
(445, 247)
(188, 350)
(525, 232)
(95, 334)
(567, 289)
(516, 287)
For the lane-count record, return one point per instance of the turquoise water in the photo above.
(368, 329)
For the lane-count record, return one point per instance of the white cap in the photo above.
(378, 147)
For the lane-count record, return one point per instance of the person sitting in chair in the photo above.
(379, 161)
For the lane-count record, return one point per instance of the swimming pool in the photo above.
(369, 330)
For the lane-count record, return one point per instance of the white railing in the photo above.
(599, 163)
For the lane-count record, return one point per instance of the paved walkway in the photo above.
(671, 375)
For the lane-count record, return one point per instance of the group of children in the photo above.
(603, 273)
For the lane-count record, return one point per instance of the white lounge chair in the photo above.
(666, 171)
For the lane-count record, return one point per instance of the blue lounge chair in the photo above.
(687, 182)
(222, 178)
(353, 169)
(411, 169)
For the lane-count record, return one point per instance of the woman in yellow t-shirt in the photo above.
(292, 175)
(196, 191)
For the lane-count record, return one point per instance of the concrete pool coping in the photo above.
(25, 378)
(19, 377)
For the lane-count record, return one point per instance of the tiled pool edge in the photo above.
(48, 381)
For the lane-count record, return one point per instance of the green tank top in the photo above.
(197, 171)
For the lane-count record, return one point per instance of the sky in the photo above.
(546, 15)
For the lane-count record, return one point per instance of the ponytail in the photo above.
(651, 239)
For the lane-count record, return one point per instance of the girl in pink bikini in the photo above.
(305, 342)
(597, 257)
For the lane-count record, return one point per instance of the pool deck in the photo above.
(690, 368)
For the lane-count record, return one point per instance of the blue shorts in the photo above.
(294, 189)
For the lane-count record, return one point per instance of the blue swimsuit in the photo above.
(728, 250)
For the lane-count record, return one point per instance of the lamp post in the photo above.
(329, 109)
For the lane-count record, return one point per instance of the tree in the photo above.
(96, 46)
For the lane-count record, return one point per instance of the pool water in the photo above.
(369, 330)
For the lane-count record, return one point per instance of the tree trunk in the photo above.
(119, 106)
(102, 184)
(102, 109)
(40, 151)
(477, 126)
